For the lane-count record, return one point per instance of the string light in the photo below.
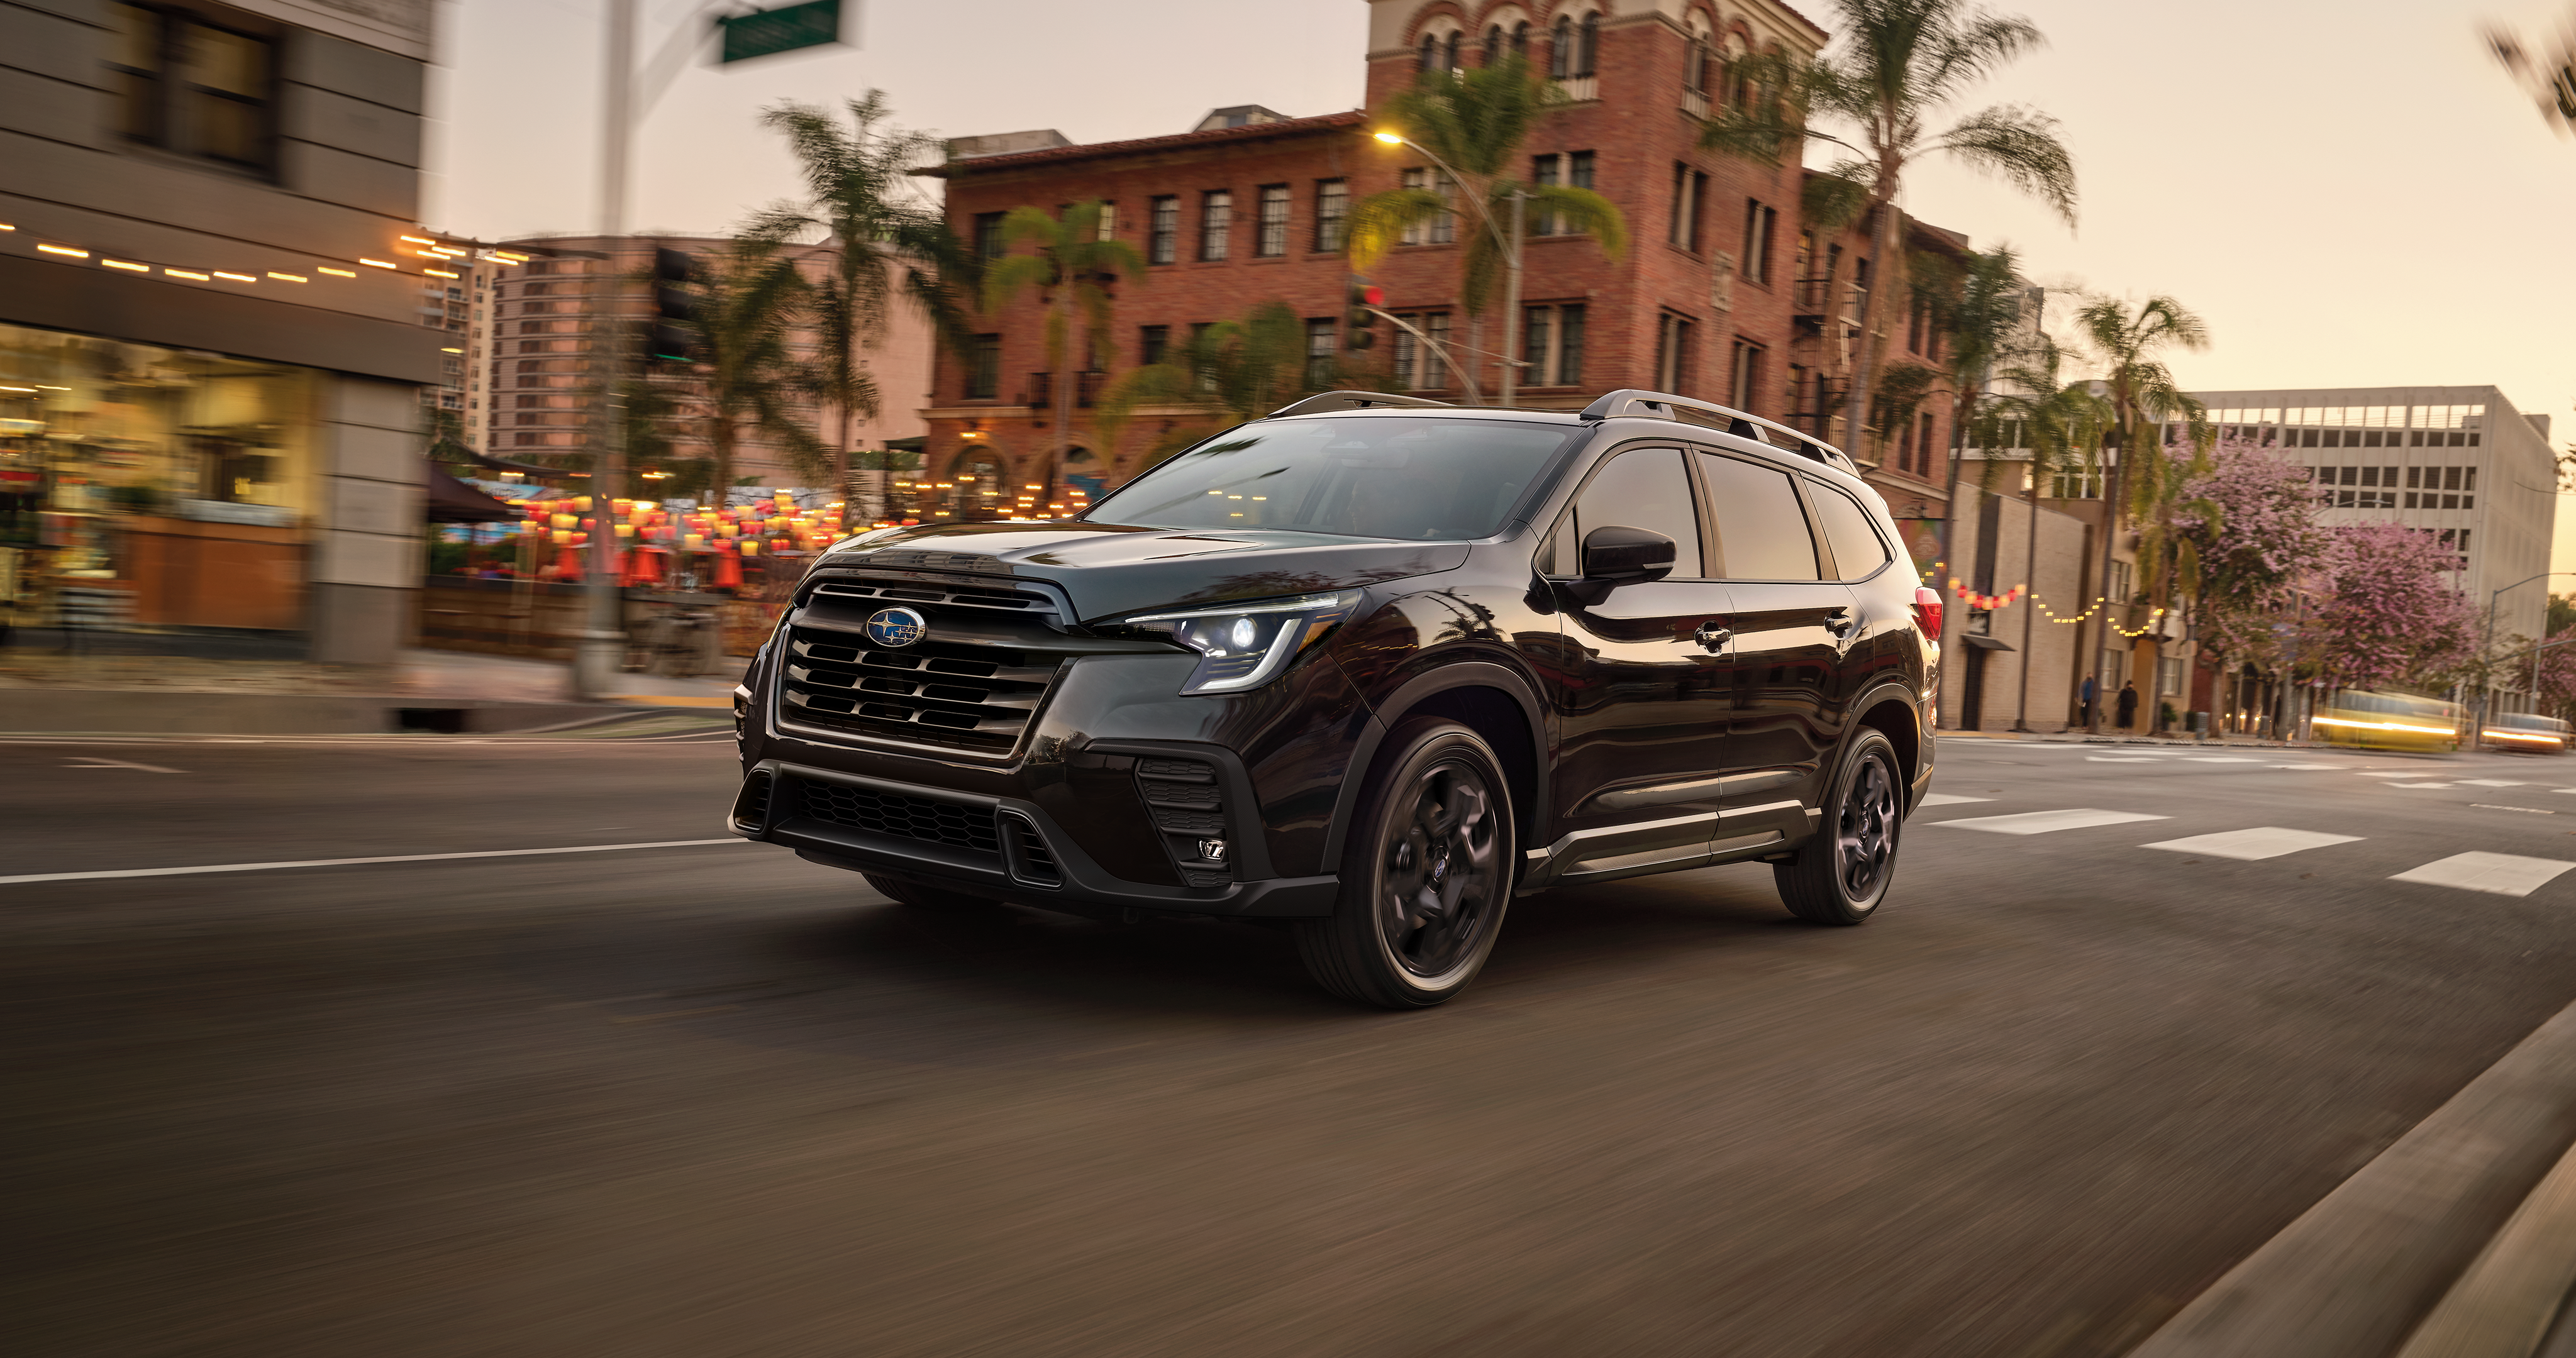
(1986, 602)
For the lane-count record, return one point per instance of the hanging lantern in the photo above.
(561, 536)
(581, 503)
(625, 530)
(694, 542)
(751, 546)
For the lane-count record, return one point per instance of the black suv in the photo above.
(1369, 667)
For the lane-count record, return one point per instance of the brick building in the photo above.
(1723, 293)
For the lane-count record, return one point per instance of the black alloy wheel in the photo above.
(1426, 874)
(1841, 874)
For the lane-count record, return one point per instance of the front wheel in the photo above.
(1426, 874)
(1841, 874)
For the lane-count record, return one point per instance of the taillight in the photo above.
(1927, 611)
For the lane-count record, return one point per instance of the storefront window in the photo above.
(109, 451)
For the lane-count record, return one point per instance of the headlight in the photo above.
(1242, 646)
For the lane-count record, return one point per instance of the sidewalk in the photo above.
(48, 690)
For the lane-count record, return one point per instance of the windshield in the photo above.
(1368, 476)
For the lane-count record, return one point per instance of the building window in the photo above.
(1164, 244)
(1440, 230)
(988, 235)
(1578, 169)
(1560, 49)
(1588, 45)
(1108, 219)
(190, 86)
(1319, 352)
(1690, 189)
(1759, 224)
(1216, 224)
(1151, 343)
(1543, 172)
(1552, 346)
(1271, 241)
(984, 376)
(1332, 213)
(1923, 447)
(1418, 367)
(1672, 354)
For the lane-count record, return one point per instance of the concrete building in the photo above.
(2460, 463)
(535, 368)
(1723, 293)
(209, 341)
(2013, 667)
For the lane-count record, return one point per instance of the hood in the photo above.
(1111, 569)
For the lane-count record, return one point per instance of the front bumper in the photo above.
(997, 846)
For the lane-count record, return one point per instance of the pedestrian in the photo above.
(2128, 704)
(2084, 705)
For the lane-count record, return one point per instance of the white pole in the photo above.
(596, 663)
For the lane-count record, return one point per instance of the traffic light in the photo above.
(1361, 323)
(674, 337)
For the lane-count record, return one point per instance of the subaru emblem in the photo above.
(896, 627)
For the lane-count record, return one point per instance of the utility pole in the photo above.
(1512, 295)
(597, 661)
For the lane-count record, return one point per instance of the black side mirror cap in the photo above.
(1627, 554)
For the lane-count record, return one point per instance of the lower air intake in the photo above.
(751, 805)
(1187, 802)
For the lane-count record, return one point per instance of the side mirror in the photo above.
(1626, 555)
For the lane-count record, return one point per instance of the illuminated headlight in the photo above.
(1245, 645)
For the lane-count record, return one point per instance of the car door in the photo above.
(1640, 696)
(1793, 623)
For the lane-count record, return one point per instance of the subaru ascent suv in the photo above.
(1369, 668)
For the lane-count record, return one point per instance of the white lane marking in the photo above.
(2526, 810)
(352, 862)
(2263, 841)
(2415, 785)
(2390, 773)
(2307, 766)
(2500, 874)
(94, 762)
(1950, 799)
(2123, 759)
(2042, 822)
(2489, 782)
(2220, 759)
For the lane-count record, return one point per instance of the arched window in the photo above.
(1560, 49)
(1430, 53)
(1493, 43)
(1591, 46)
(1520, 39)
(1449, 59)
(1695, 67)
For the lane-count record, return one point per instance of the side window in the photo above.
(1858, 549)
(1641, 488)
(1761, 530)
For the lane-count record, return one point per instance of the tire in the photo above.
(1426, 874)
(1842, 874)
(924, 897)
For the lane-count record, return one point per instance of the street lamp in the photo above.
(2486, 685)
(1510, 246)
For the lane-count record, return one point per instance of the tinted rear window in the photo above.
(1372, 476)
(1858, 549)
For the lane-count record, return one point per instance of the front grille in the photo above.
(1187, 803)
(953, 690)
(902, 817)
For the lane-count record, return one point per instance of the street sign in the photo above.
(768, 32)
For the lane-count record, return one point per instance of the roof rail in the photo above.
(1349, 400)
(1660, 405)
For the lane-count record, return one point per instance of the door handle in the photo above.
(1840, 621)
(1713, 636)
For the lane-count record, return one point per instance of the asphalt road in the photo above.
(710, 1100)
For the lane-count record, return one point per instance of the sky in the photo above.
(2350, 192)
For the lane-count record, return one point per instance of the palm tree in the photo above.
(1983, 320)
(2144, 478)
(1902, 62)
(1069, 270)
(1474, 123)
(2061, 423)
(893, 247)
(1231, 372)
(750, 297)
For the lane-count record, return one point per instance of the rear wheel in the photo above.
(1841, 874)
(1426, 874)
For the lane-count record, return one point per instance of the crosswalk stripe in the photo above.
(2220, 759)
(2490, 782)
(2263, 841)
(2122, 759)
(2043, 822)
(2307, 766)
(2500, 874)
(2416, 785)
(1950, 799)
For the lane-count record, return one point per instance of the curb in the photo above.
(2353, 1275)
(2504, 1305)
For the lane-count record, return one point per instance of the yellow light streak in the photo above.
(374, 263)
(420, 240)
(129, 268)
(189, 273)
(2382, 726)
(236, 277)
(438, 273)
(2520, 735)
(287, 277)
(64, 250)
(339, 273)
